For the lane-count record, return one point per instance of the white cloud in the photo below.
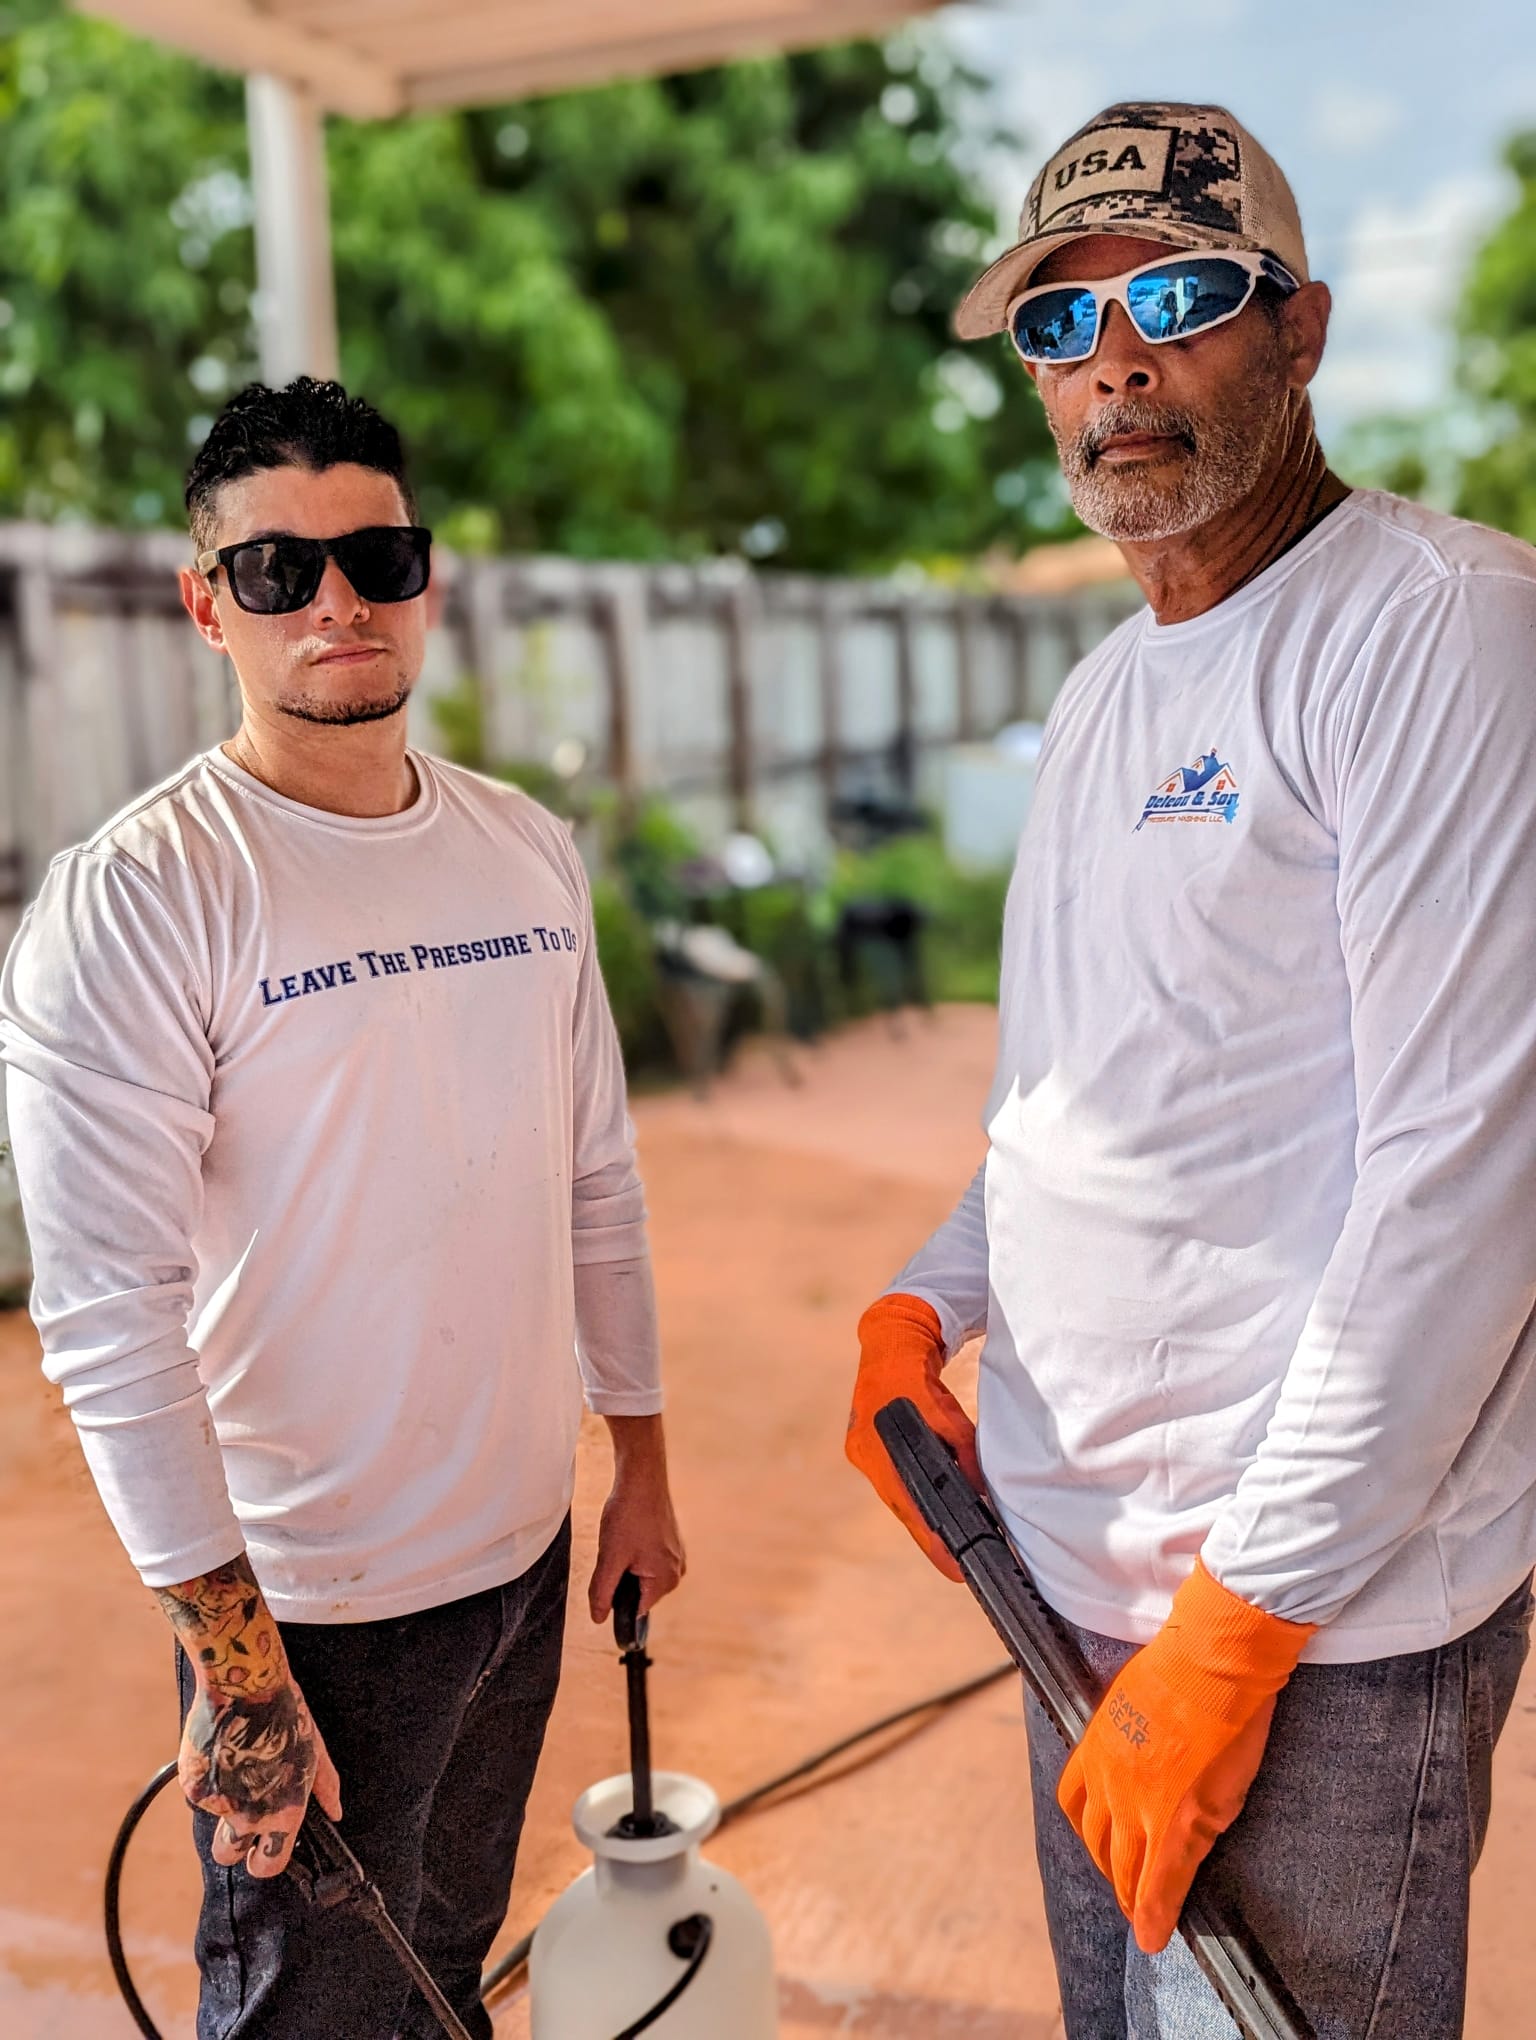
(1396, 272)
(1351, 120)
(1393, 249)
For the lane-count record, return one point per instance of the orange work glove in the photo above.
(901, 1352)
(1166, 1762)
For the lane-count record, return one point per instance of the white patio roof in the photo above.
(373, 58)
(370, 59)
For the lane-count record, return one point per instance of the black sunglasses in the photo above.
(275, 576)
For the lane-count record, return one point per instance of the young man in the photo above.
(320, 1123)
(1252, 1246)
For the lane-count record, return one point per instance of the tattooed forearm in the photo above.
(227, 1631)
(250, 1751)
(249, 1748)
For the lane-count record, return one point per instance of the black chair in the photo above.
(881, 941)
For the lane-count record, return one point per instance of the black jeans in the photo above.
(434, 1722)
(1351, 1859)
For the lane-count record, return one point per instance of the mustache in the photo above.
(1117, 419)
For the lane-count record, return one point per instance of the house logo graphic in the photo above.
(1203, 792)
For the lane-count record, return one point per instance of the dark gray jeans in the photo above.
(435, 1722)
(1350, 1861)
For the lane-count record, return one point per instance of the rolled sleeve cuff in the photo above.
(625, 1402)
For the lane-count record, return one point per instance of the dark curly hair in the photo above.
(309, 424)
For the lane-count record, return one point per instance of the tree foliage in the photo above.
(125, 263)
(680, 316)
(1498, 359)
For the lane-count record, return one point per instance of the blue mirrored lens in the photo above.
(1181, 297)
(1058, 325)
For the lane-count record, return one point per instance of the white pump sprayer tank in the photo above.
(607, 1952)
(652, 1939)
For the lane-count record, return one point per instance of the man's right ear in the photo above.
(197, 600)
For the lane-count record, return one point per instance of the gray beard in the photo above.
(305, 708)
(1222, 462)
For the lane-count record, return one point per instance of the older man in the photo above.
(1252, 1246)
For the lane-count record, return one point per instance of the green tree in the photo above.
(675, 317)
(1498, 359)
(125, 259)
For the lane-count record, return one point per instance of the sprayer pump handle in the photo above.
(629, 1625)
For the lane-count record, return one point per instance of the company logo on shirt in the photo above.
(1203, 792)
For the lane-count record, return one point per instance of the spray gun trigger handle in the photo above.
(630, 1627)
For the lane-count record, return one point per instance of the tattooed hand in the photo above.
(250, 1751)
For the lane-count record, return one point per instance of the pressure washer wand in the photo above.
(331, 1875)
(1236, 1967)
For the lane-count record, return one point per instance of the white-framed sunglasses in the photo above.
(1172, 298)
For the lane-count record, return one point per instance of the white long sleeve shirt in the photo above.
(321, 1132)
(1254, 1244)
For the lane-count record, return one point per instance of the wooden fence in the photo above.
(746, 699)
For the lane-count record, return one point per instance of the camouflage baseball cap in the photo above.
(1190, 176)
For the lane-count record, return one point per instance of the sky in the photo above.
(1387, 116)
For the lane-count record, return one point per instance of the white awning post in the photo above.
(296, 301)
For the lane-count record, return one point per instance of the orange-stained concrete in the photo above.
(902, 1896)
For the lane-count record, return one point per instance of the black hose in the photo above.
(113, 1894)
(501, 1972)
(734, 1808)
(363, 1894)
(517, 1955)
(699, 1929)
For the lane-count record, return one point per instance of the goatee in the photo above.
(1212, 464)
(306, 708)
